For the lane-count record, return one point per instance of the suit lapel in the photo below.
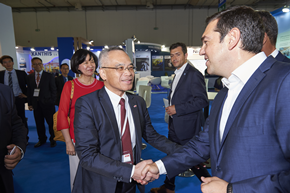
(135, 113)
(109, 111)
(249, 87)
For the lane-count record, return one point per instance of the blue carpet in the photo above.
(46, 169)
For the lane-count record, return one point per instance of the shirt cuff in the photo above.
(161, 167)
(132, 173)
(22, 153)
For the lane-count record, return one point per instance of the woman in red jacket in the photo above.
(83, 62)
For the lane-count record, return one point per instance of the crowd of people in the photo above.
(246, 135)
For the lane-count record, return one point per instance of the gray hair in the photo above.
(104, 54)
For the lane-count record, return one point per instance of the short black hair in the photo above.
(63, 64)
(79, 57)
(179, 44)
(270, 24)
(247, 20)
(5, 57)
(104, 53)
(36, 58)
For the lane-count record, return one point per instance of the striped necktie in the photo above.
(10, 80)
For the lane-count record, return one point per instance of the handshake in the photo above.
(145, 172)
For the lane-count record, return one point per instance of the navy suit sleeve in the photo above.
(195, 151)
(88, 142)
(197, 98)
(280, 181)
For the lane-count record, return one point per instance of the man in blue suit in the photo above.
(247, 133)
(187, 99)
(109, 151)
(270, 39)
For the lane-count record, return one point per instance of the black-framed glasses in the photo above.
(121, 69)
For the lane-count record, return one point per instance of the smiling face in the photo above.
(37, 65)
(115, 81)
(178, 58)
(8, 64)
(213, 50)
(88, 67)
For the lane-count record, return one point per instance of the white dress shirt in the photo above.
(115, 100)
(274, 53)
(16, 88)
(235, 84)
(178, 73)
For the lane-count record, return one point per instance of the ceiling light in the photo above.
(45, 49)
(88, 47)
(138, 42)
(52, 48)
(106, 46)
(285, 9)
(32, 49)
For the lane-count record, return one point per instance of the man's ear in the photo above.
(103, 74)
(234, 38)
(265, 39)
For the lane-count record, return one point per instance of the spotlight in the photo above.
(285, 9)
(32, 49)
(52, 48)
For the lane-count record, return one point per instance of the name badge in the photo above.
(126, 158)
(36, 92)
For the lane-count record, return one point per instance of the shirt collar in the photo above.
(13, 71)
(274, 53)
(115, 99)
(181, 69)
(40, 73)
(246, 70)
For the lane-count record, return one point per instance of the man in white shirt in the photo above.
(187, 99)
(109, 126)
(270, 39)
(247, 133)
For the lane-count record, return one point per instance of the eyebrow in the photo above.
(124, 64)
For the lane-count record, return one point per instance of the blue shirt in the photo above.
(16, 88)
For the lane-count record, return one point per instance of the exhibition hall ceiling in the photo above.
(103, 5)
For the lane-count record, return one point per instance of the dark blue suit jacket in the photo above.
(98, 143)
(254, 153)
(12, 131)
(282, 58)
(189, 98)
(22, 79)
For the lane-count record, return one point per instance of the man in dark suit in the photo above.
(187, 99)
(247, 133)
(270, 38)
(12, 134)
(41, 93)
(17, 83)
(109, 126)
(60, 80)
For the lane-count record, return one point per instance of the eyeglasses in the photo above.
(121, 69)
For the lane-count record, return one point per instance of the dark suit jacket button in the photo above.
(218, 169)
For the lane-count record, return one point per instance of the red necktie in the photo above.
(126, 138)
(37, 79)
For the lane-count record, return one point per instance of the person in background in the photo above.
(85, 63)
(17, 83)
(218, 85)
(61, 80)
(187, 99)
(270, 38)
(41, 94)
(247, 133)
(12, 134)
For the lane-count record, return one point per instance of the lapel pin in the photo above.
(135, 106)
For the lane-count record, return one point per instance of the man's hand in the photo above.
(30, 108)
(149, 174)
(138, 169)
(21, 95)
(213, 185)
(170, 110)
(10, 161)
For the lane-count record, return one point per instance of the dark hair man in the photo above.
(41, 93)
(61, 80)
(247, 133)
(17, 81)
(270, 39)
(186, 100)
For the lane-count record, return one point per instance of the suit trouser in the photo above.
(20, 107)
(170, 183)
(42, 112)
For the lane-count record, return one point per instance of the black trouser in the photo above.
(202, 171)
(20, 107)
(42, 112)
